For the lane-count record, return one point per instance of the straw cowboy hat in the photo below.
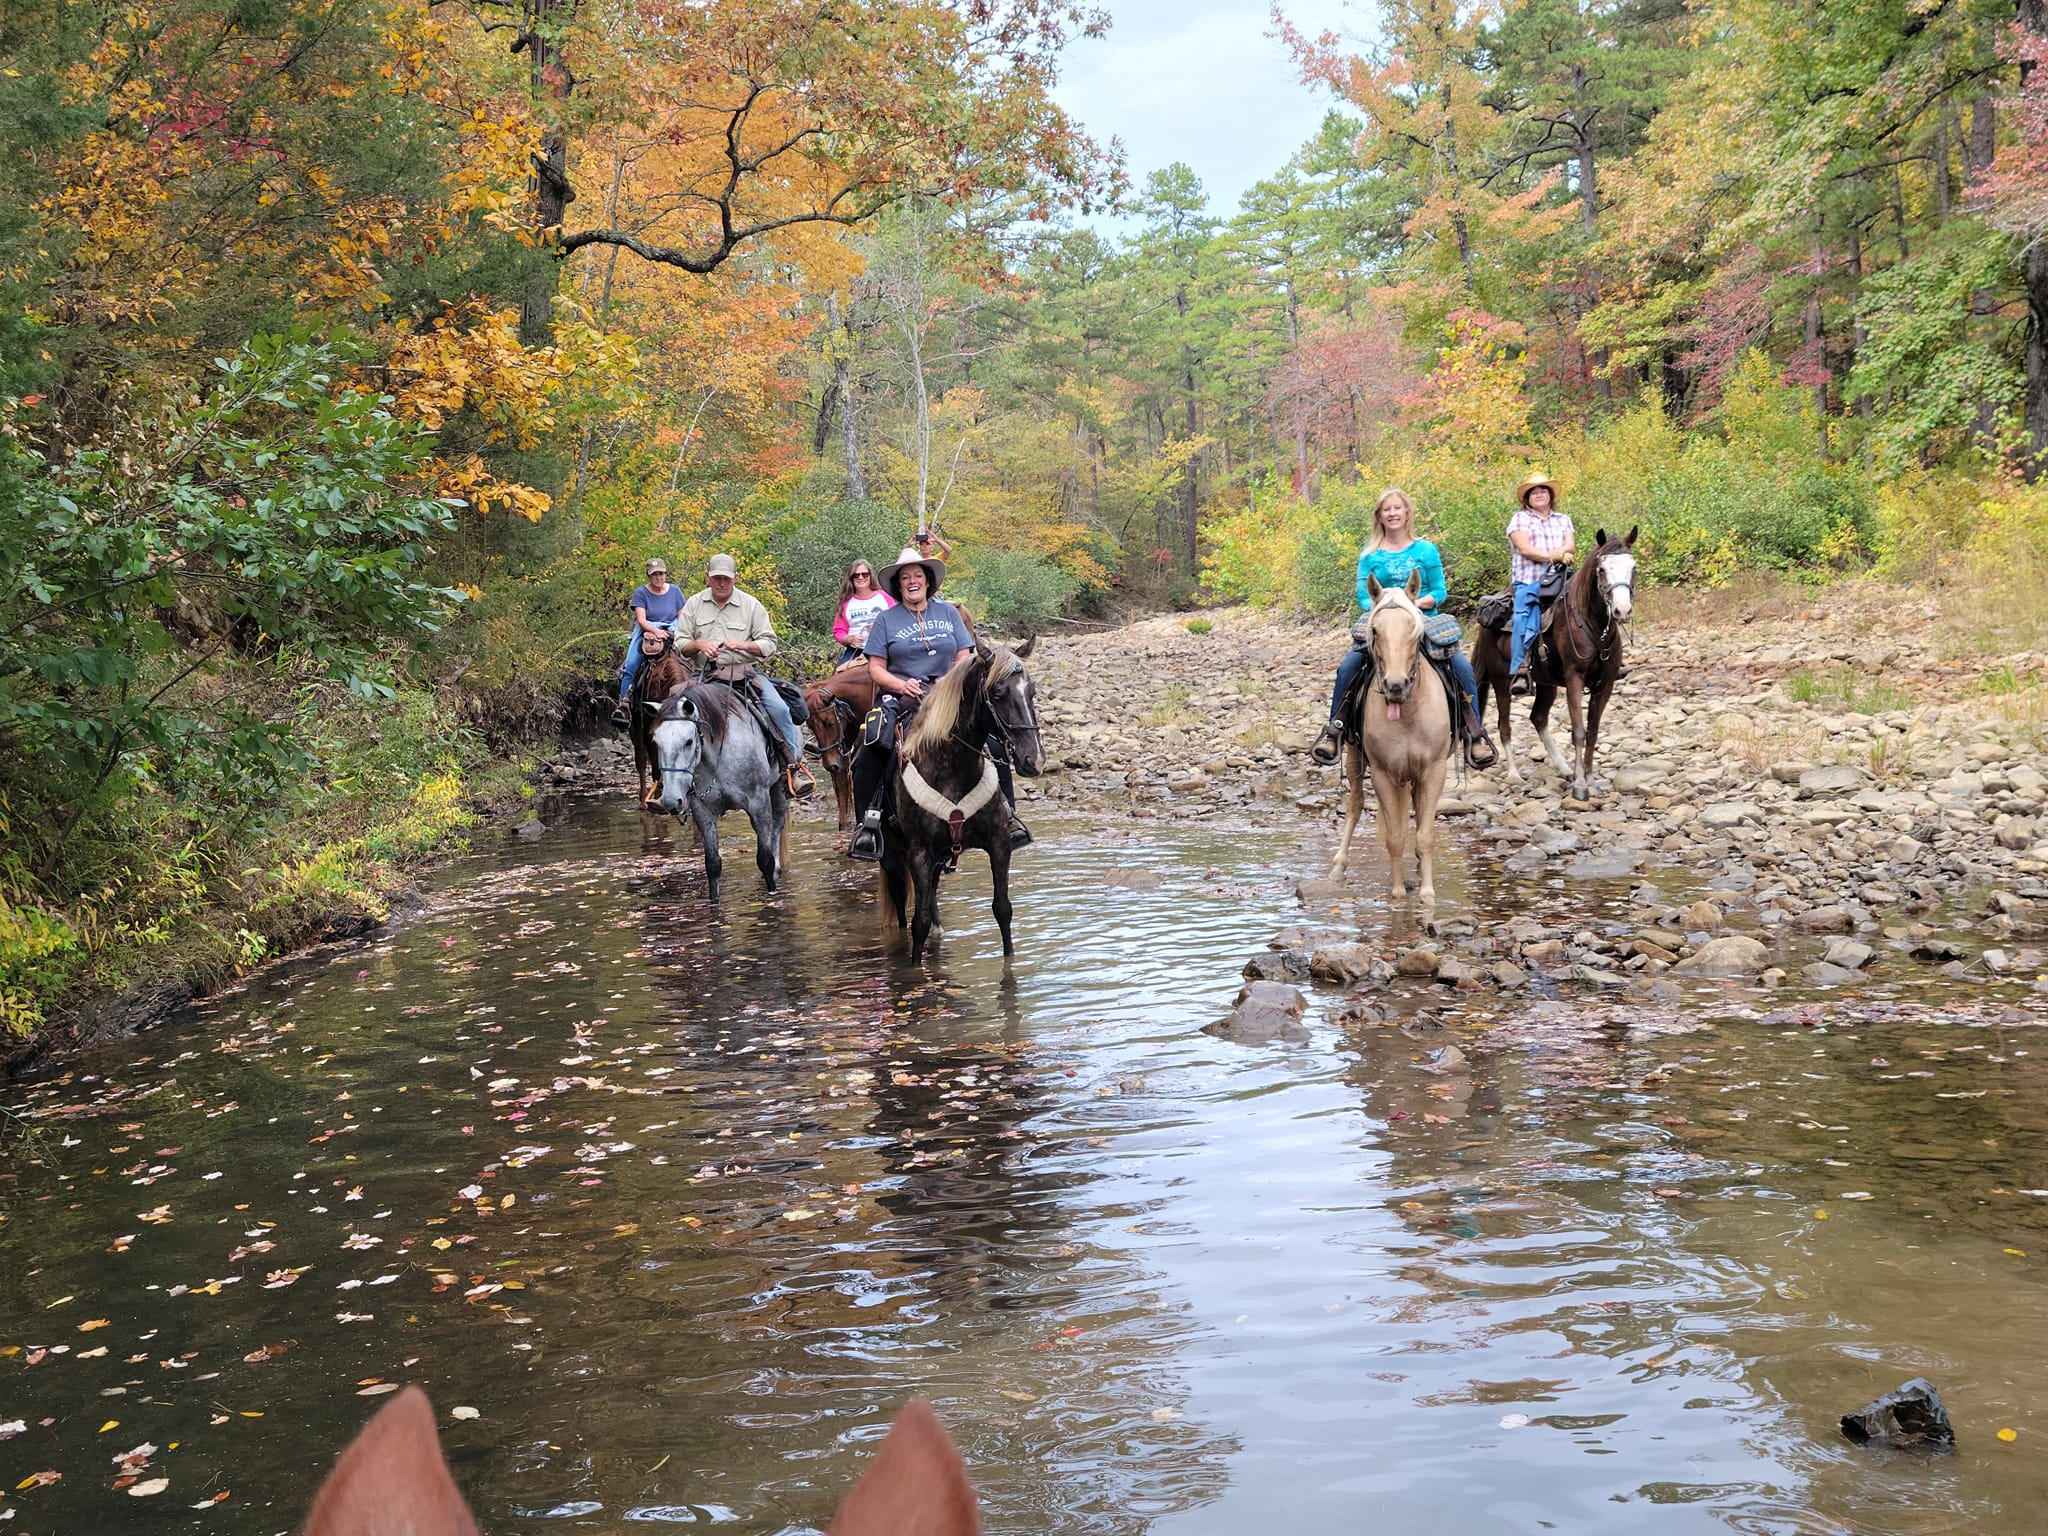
(1534, 478)
(934, 572)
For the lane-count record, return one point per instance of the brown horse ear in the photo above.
(1023, 652)
(1414, 582)
(1630, 541)
(1373, 587)
(917, 1485)
(1599, 538)
(391, 1479)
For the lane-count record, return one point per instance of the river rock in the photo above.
(1733, 954)
(1279, 965)
(1601, 866)
(1723, 815)
(1454, 972)
(1702, 917)
(1593, 976)
(1912, 1415)
(1835, 779)
(1266, 1011)
(1416, 962)
(1848, 952)
(1445, 1058)
(1823, 920)
(1822, 974)
(1506, 973)
(531, 828)
(1342, 963)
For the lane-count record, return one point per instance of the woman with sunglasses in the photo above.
(860, 600)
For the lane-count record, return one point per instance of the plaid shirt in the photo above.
(1551, 533)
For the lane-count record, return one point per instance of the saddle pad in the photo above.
(1442, 635)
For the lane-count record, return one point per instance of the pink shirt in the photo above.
(856, 614)
(1551, 533)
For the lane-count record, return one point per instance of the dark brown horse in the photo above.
(837, 705)
(943, 795)
(662, 671)
(1583, 656)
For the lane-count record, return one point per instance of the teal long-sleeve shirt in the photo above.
(1392, 566)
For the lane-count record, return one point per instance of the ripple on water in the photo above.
(686, 1201)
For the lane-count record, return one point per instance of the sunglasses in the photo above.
(869, 574)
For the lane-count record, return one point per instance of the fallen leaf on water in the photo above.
(465, 1413)
(39, 1480)
(60, 1302)
(1018, 1397)
(2008, 1435)
(379, 1389)
(1165, 1415)
(110, 1424)
(1856, 1194)
(2018, 1253)
(91, 1323)
(218, 1498)
(1513, 1420)
(143, 1490)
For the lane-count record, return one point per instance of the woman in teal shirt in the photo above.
(1390, 556)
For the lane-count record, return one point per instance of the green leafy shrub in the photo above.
(1199, 626)
(813, 547)
(1008, 589)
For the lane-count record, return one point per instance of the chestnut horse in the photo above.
(1400, 731)
(662, 671)
(837, 705)
(1584, 657)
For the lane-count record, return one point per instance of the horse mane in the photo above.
(939, 716)
(1399, 598)
(715, 707)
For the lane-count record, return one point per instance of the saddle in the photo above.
(1497, 609)
(1439, 659)
(739, 678)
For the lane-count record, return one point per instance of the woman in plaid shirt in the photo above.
(1540, 536)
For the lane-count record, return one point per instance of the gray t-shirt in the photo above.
(919, 645)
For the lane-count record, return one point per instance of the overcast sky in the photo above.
(1200, 81)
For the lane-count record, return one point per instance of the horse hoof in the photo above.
(1581, 794)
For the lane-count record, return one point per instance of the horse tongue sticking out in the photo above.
(1393, 711)
(393, 1482)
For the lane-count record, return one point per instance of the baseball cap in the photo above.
(657, 564)
(722, 565)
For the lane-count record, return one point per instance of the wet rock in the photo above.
(1850, 953)
(1772, 976)
(1445, 1058)
(1266, 1011)
(1593, 976)
(1281, 965)
(1342, 963)
(1822, 974)
(1601, 866)
(1416, 962)
(1731, 955)
(1935, 951)
(1650, 949)
(1823, 920)
(1835, 779)
(1911, 1416)
(1506, 973)
(1703, 917)
(1131, 879)
(1454, 972)
(1363, 1010)
(531, 828)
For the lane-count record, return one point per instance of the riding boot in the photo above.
(1327, 745)
(870, 765)
(1480, 751)
(1006, 781)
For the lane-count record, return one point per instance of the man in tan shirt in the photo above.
(724, 625)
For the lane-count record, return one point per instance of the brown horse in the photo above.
(837, 705)
(1400, 729)
(1583, 657)
(662, 671)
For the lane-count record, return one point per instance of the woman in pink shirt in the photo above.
(860, 600)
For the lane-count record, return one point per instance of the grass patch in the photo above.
(1843, 690)
(1199, 626)
(1172, 708)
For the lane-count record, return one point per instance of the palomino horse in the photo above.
(944, 795)
(662, 671)
(393, 1478)
(837, 705)
(1584, 656)
(711, 756)
(1404, 723)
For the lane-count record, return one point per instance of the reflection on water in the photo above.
(685, 1202)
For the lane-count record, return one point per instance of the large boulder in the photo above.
(1834, 779)
(1266, 1011)
(1732, 954)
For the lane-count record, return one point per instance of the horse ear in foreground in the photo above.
(393, 1481)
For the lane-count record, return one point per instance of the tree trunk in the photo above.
(1816, 340)
(1589, 188)
(842, 386)
(1983, 141)
(2033, 17)
(552, 194)
(1943, 135)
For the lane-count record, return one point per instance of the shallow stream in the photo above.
(683, 1202)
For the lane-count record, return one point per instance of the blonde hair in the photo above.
(940, 712)
(1379, 530)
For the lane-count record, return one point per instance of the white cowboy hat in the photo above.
(934, 572)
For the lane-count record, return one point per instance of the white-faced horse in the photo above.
(710, 757)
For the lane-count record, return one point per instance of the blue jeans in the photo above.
(1354, 663)
(778, 710)
(1528, 621)
(632, 663)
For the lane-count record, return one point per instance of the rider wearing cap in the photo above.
(910, 647)
(726, 627)
(1540, 538)
(655, 606)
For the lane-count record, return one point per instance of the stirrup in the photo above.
(800, 788)
(866, 842)
(1475, 746)
(1327, 745)
(1020, 835)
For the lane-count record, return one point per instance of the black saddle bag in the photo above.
(1497, 611)
(793, 696)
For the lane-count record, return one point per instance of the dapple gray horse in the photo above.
(711, 757)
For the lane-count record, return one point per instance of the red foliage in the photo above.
(1734, 315)
(2014, 196)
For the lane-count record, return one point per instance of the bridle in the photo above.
(1006, 729)
(1383, 681)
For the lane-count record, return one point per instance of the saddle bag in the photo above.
(1550, 587)
(1442, 637)
(793, 696)
(1497, 611)
(731, 673)
(1361, 633)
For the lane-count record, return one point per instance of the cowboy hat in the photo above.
(1530, 481)
(934, 571)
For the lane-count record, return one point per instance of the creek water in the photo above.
(683, 1202)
